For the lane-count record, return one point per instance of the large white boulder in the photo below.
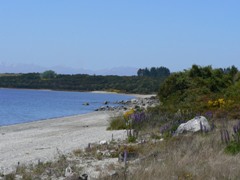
(194, 125)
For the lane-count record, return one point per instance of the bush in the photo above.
(233, 148)
(201, 88)
(117, 123)
(132, 139)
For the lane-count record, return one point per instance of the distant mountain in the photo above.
(20, 68)
(27, 68)
(121, 71)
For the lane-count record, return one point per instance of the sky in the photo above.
(96, 35)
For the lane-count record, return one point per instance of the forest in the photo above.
(83, 82)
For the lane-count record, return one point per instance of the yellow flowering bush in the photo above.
(219, 103)
(128, 113)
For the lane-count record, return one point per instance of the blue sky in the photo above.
(106, 34)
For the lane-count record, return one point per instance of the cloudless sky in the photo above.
(94, 34)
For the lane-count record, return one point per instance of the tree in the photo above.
(162, 72)
(49, 74)
(153, 72)
(140, 72)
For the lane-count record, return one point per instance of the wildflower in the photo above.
(138, 117)
(128, 114)
(221, 102)
(210, 103)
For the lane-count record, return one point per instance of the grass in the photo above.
(233, 148)
(187, 156)
(132, 139)
(42, 169)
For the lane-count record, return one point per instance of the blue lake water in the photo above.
(21, 106)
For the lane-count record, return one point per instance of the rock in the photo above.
(103, 142)
(113, 174)
(68, 172)
(134, 101)
(18, 177)
(83, 177)
(196, 124)
(120, 157)
(106, 102)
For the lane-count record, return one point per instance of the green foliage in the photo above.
(193, 88)
(154, 72)
(117, 123)
(82, 82)
(132, 139)
(49, 74)
(233, 148)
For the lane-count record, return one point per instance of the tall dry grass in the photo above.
(189, 156)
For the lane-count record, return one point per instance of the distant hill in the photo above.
(28, 68)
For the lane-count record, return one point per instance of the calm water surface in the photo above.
(21, 106)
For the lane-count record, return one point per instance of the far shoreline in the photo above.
(98, 92)
(134, 95)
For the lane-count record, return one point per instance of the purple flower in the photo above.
(138, 117)
(236, 128)
(164, 128)
(209, 114)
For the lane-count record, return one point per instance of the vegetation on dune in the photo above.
(213, 93)
(202, 89)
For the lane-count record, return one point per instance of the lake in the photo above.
(21, 105)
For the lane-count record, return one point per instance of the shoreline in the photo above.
(99, 92)
(132, 96)
(44, 140)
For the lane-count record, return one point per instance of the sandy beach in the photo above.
(134, 95)
(43, 140)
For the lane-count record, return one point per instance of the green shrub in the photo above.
(233, 148)
(195, 87)
(117, 123)
(132, 139)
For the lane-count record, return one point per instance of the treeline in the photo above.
(154, 72)
(82, 82)
(203, 89)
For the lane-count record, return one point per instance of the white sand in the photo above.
(134, 95)
(43, 140)
(28, 143)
